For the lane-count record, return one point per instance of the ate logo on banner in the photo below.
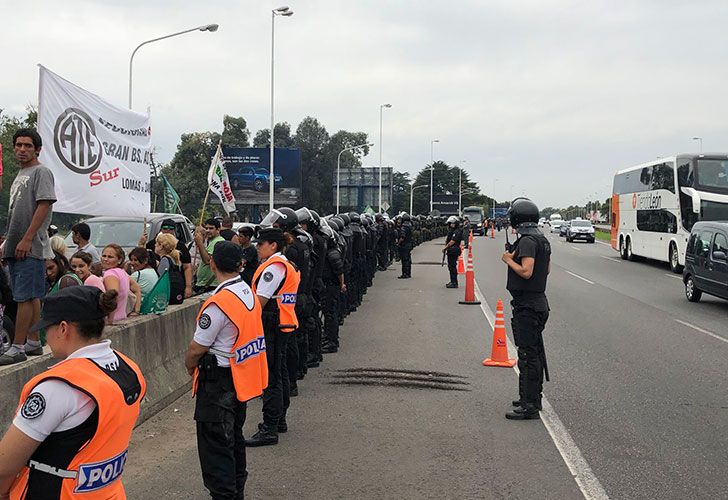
(75, 141)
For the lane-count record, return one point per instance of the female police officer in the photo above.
(276, 284)
(72, 430)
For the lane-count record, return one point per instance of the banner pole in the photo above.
(207, 194)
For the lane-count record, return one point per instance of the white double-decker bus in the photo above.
(654, 205)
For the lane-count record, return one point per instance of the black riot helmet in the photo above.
(345, 218)
(306, 216)
(379, 217)
(354, 217)
(406, 216)
(283, 217)
(365, 221)
(338, 221)
(315, 218)
(523, 211)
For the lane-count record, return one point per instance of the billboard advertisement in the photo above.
(446, 204)
(248, 170)
(359, 188)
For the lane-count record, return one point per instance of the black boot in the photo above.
(329, 348)
(264, 437)
(451, 285)
(282, 425)
(517, 403)
(527, 412)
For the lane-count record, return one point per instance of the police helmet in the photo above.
(283, 217)
(354, 217)
(523, 211)
(345, 218)
(453, 220)
(339, 222)
(406, 216)
(305, 216)
(315, 218)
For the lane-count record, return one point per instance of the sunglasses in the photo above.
(169, 228)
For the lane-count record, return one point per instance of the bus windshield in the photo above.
(473, 216)
(712, 174)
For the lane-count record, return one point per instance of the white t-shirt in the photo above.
(92, 251)
(214, 328)
(271, 278)
(55, 406)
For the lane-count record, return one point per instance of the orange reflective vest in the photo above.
(95, 471)
(286, 293)
(248, 362)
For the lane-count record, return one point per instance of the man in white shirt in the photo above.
(81, 234)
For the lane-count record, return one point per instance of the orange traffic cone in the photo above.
(470, 283)
(461, 266)
(492, 231)
(470, 239)
(499, 351)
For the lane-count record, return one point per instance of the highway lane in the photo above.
(644, 397)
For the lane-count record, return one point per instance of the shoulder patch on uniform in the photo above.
(205, 321)
(34, 406)
(267, 276)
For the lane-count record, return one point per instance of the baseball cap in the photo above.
(227, 256)
(75, 303)
(167, 224)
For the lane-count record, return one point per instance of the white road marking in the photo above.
(701, 330)
(585, 478)
(613, 259)
(580, 277)
(676, 276)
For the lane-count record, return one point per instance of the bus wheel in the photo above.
(630, 256)
(692, 292)
(622, 249)
(675, 266)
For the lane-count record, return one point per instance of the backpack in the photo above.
(176, 283)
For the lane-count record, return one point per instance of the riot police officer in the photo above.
(452, 249)
(405, 246)
(310, 221)
(528, 264)
(335, 288)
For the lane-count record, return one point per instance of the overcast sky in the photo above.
(549, 97)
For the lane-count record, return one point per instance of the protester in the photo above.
(81, 263)
(26, 246)
(227, 228)
(205, 239)
(58, 244)
(59, 274)
(77, 415)
(81, 234)
(168, 227)
(169, 261)
(144, 274)
(115, 278)
(250, 254)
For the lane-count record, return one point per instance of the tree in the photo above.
(235, 131)
(283, 137)
(447, 181)
(400, 192)
(312, 139)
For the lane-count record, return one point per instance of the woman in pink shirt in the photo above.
(116, 278)
(81, 265)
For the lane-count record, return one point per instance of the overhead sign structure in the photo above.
(248, 170)
(359, 187)
(446, 204)
(100, 154)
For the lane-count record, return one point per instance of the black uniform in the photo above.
(333, 270)
(297, 352)
(455, 235)
(383, 245)
(319, 297)
(405, 249)
(530, 313)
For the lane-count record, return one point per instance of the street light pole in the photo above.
(432, 167)
(287, 12)
(381, 108)
(207, 27)
(412, 189)
(494, 203)
(338, 169)
(700, 139)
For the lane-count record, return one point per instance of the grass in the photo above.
(603, 235)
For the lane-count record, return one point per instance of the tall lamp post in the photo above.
(286, 12)
(460, 188)
(432, 167)
(412, 190)
(206, 27)
(700, 140)
(338, 169)
(494, 202)
(381, 108)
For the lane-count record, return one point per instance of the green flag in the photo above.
(157, 299)
(171, 198)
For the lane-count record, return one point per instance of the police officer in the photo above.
(78, 414)
(227, 358)
(405, 246)
(275, 282)
(528, 264)
(335, 288)
(452, 249)
(310, 222)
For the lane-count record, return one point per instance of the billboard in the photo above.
(359, 188)
(446, 204)
(248, 170)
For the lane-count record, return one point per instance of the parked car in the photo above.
(706, 261)
(252, 178)
(125, 231)
(563, 228)
(580, 230)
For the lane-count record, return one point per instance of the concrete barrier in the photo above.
(156, 343)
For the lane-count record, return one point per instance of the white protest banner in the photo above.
(100, 154)
(219, 183)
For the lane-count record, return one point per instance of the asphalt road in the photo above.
(638, 373)
(404, 410)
